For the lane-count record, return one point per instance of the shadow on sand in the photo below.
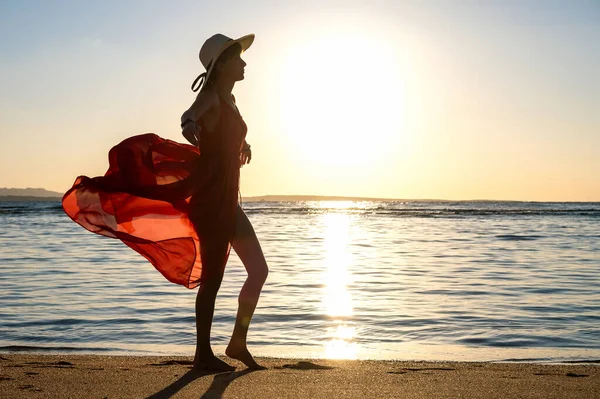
(221, 382)
(215, 391)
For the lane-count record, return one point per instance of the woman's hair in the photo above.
(225, 56)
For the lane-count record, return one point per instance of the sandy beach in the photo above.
(87, 376)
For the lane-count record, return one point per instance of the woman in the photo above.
(177, 205)
(214, 124)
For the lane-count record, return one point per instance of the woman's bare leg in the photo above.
(204, 358)
(248, 248)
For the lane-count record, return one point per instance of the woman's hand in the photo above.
(245, 154)
(191, 131)
(189, 126)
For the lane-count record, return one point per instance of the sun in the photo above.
(342, 101)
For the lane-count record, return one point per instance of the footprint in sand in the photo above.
(576, 375)
(406, 370)
(305, 366)
(29, 388)
(174, 363)
(61, 364)
(568, 374)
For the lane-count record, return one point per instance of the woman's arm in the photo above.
(189, 119)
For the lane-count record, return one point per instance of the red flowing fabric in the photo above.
(170, 202)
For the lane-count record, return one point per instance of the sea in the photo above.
(394, 280)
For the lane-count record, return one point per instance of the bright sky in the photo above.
(395, 99)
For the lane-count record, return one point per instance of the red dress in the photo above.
(170, 202)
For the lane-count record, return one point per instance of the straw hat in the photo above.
(212, 48)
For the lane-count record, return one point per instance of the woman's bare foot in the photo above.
(212, 364)
(244, 356)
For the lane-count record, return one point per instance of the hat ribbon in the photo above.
(202, 79)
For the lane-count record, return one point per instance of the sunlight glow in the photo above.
(342, 100)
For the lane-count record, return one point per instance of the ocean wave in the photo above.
(416, 209)
(59, 349)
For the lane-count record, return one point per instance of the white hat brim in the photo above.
(244, 41)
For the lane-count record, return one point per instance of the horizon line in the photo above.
(311, 197)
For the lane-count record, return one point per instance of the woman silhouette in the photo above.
(214, 123)
(177, 204)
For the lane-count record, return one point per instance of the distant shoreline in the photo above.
(25, 198)
(292, 198)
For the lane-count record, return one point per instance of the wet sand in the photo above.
(87, 376)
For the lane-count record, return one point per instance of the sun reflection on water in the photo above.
(337, 300)
(336, 204)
